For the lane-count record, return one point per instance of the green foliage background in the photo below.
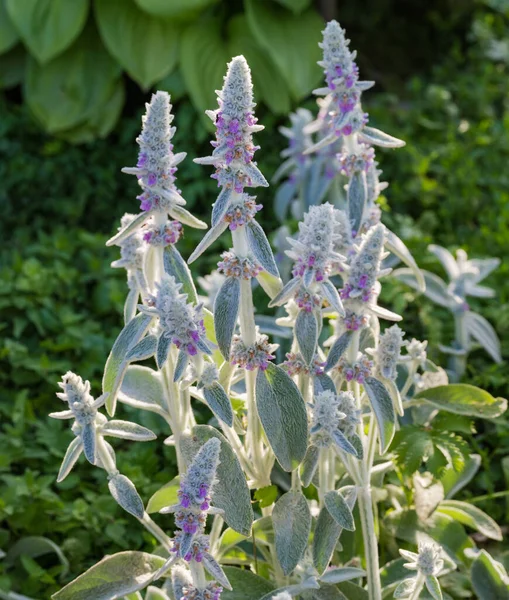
(441, 69)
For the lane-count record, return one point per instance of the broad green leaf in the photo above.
(268, 85)
(283, 415)
(113, 577)
(246, 585)
(165, 496)
(464, 399)
(381, 403)
(176, 266)
(12, 67)
(35, 546)
(180, 9)
(116, 365)
(48, 27)
(142, 388)
(266, 496)
(125, 493)
(145, 46)
(8, 34)
(453, 481)
(155, 593)
(292, 524)
(231, 493)
(68, 91)
(295, 6)
(352, 591)
(489, 579)
(203, 59)
(473, 517)
(291, 41)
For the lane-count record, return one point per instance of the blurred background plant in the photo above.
(74, 88)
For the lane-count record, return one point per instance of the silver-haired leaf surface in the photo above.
(489, 580)
(181, 364)
(283, 415)
(337, 350)
(433, 587)
(88, 438)
(326, 536)
(260, 247)
(482, 331)
(209, 238)
(117, 363)
(309, 465)
(340, 574)
(436, 289)
(124, 492)
(129, 229)
(226, 310)
(463, 399)
(215, 569)
(144, 349)
(219, 403)
(142, 388)
(246, 585)
(127, 431)
(339, 510)
(231, 493)
(332, 296)
(357, 194)
(162, 351)
(397, 247)
(113, 577)
(471, 516)
(130, 305)
(323, 382)
(370, 135)
(155, 593)
(71, 456)
(176, 266)
(286, 293)
(381, 404)
(220, 206)
(292, 524)
(306, 333)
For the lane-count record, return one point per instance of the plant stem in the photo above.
(419, 584)
(460, 362)
(370, 542)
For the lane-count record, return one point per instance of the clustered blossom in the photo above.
(242, 212)
(256, 356)
(199, 546)
(296, 365)
(415, 352)
(362, 160)
(239, 268)
(313, 250)
(427, 561)
(354, 321)
(178, 320)
(235, 123)
(164, 234)
(387, 354)
(357, 371)
(307, 301)
(334, 417)
(211, 592)
(76, 393)
(209, 375)
(365, 267)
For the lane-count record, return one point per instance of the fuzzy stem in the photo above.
(419, 584)
(370, 543)
(198, 574)
(102, 452)
(156, 531)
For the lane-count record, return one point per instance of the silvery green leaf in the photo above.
(71, 456)
(339, 510)
(288, 291)
(184, 216)
(488, 577)
(433, 587)
(308, 277)
(397, 402)
(62, 414)
(129, 229)
(356, 442)
(405, 588)
(88, 438)
(219, 403)
(306, 333)
(214, 568)
(283, 415)
(357, 194)
(284, 195)
(32, 546)
(479, 291)
(154, 593)
(453, 481)
(142, 388)
(383, 313)
(124, 492)
(185, 543)
(309, 465)
(163, 349)
(117, 363)
(209, 238)
(113, 577)
(270, 284)
(463, 399)
(484, 266)
(231, 493)
(323, 143)
(226, 310)
(131, 303)
(255, 175)
(322, 383)
(180, 367)
(220, 206)
(383, 410)
(326, 536)
(447, 259)
(436, 289)
(471, 516)
(331, 295)
(127, 431)
(337, 350)
(370, 135)
(144, 349)
(292, 525)
(260, 247)
(397, 247)
(481, 330)
(111, 452)
(176, 266)
(343, 443)
(337, 575)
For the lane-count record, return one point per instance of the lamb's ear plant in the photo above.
(310, 443)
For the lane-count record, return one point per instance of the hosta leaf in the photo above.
(176, 266)
(489, 579)
(246, 585)
(8, 34)
(292, 524)
(165, 496)
(381, 403)
(12, 67)
(124, 492)
(142, 388)
(231, 493)
(48, 27)
(219, 403)
(473, 517)
(464, 399)
(306, 333)
(113, 577)
(124, 26)
(291, 41)
(180, 9)
(283, 415)
(226, 310)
